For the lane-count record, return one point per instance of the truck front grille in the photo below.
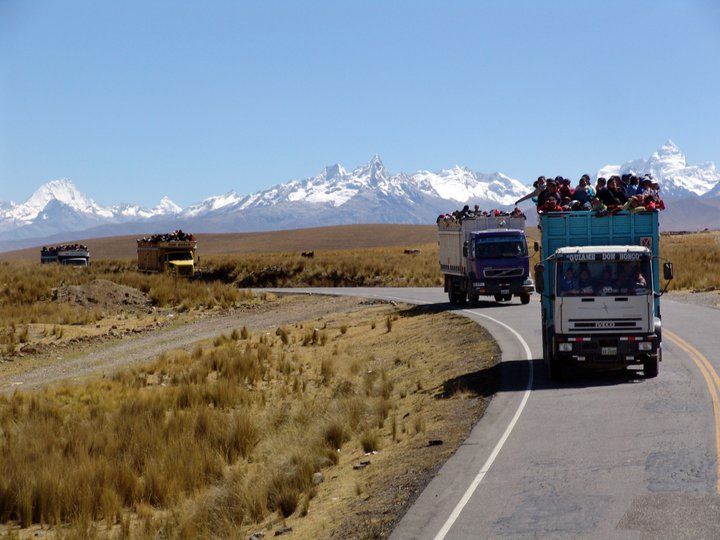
(605, 325)
(502, 272)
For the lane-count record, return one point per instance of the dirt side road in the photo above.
(108, 358)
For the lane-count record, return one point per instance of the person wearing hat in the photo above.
(550, 192)
(645, 187)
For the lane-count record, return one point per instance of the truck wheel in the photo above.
(499, 297)
(474, 299)
(552, 363)
(650, 367)
(555, 372)
(525, 298)
(507, 297)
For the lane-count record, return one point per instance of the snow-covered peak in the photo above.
(668, 157)
(166, 208)
(213, 203)
(669, 166)
(669, 149)
(63, 191)
(462, 185)
(335, 186)
(334, 172)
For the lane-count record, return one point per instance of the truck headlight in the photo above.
(645, 346)
(565, 347)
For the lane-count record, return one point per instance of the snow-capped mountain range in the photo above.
(669, 166)
(370, 193)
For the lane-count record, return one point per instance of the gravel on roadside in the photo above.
(109, 357)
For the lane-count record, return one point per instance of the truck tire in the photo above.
(474, 299)
(525, 298)
(499, 297)
(552, 363)
(650, 367)
(555, 372)
(456, 298)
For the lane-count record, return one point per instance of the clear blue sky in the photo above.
(133, 100)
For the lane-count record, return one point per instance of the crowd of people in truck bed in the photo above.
(607, 196)
(53, 250)
(626, 192)
(467, 213)
(175, 236)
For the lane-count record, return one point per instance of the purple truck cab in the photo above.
(485, 257)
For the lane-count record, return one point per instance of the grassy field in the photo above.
(228, 440)
(297, 240)
(696, 259)
(29, 307)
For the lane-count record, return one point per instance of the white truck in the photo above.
(77, 255)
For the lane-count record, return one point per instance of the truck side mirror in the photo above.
(668, 271)
(539, 278)
(536, 246)
(465, 249)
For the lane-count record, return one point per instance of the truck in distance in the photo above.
(173, 253)
(66, 254)
(599, 281)
(485, 256)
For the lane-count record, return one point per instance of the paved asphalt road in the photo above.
(598, 455)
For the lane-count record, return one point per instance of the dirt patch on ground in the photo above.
(76, 359)
(105, 295)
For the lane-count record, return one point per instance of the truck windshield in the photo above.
(604, 278)
(495, 248)
(180, 256)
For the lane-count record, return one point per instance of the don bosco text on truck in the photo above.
(485, 256)
(599, 281)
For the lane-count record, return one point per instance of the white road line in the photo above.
(486, 467)
(498, 447)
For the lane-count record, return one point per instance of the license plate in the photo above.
(608, 351)
(504, 291)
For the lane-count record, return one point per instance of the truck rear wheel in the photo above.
(650, 367)
(525, 298)
(456, 298)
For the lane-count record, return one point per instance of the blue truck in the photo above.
(599, 282)
(485, 256)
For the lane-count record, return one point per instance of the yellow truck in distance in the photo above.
(162, 254)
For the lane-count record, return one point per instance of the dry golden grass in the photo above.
(318, 238)
(365, 255)
(226, 439)
(696, 259)
(344, 268)
(26, 291)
